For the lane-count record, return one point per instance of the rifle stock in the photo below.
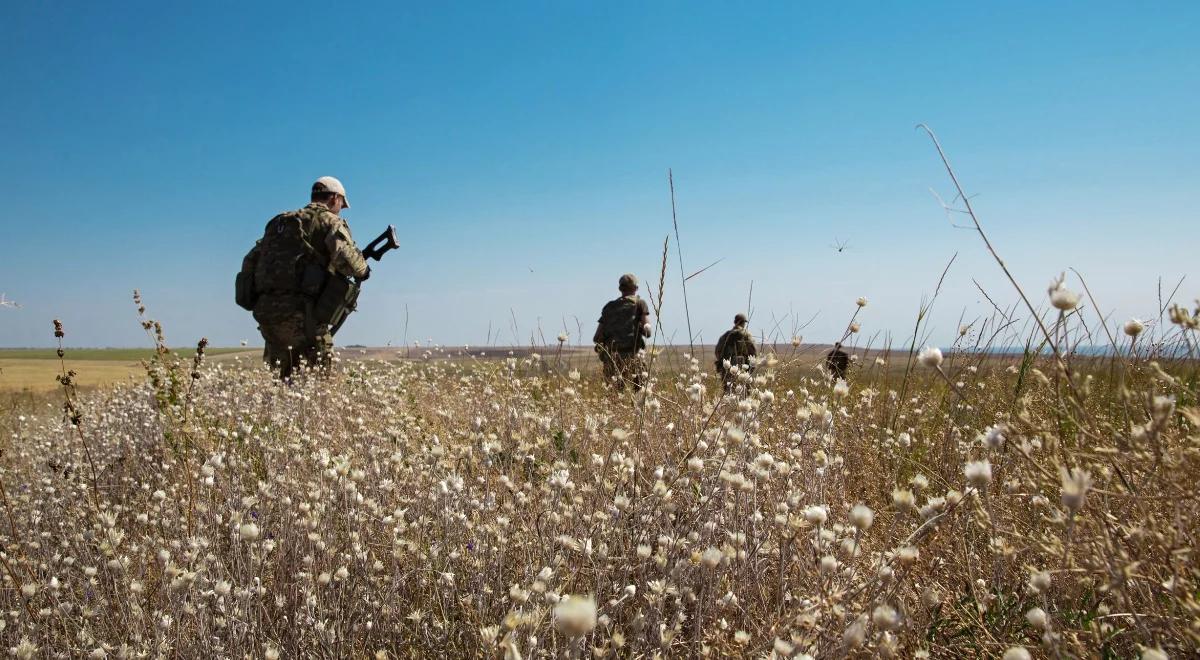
(382, 244)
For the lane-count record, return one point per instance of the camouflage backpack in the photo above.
(243, 288)
(619, 324)
(735, 346)
(287, 261)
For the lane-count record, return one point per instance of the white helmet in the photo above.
(328, 184)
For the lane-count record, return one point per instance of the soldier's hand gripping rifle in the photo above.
(341, 293)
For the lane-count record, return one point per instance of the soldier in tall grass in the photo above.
(285, 272)
(621, 335)
(735, 350)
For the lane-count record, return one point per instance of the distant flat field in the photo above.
(35, 369)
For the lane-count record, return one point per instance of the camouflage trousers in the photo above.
(288, 344)
(622, 367)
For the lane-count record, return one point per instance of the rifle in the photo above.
(342, 292)
(375, 251)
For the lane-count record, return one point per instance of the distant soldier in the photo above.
(734, 350)
(286, 271)
(837, 362)
(621, 335)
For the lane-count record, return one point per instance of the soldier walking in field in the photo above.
(734, 351)
(285, 273)
(621, 335)
(837, 362)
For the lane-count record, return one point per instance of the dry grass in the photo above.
(450, 506)
(37, 375)
(34, 370)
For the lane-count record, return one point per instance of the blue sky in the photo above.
(522, 150)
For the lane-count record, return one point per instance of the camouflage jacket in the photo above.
(330, 237)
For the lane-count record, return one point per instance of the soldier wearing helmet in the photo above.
(621, 335)
(734, 351)
(298, 252)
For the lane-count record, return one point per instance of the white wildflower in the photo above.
(930, 356)
(575, 616)
(885, 617)
(1075, 485)
(1039, 582)
(1061, 297)
(1038, 618)
(816, 514)
(978, 473)
(861, 516)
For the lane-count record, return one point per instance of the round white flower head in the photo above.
(1039, 582)
(248, 531)
(885, 617)
(978, 473)
(994, 437)
(861, 516)
(1075, 485)
(855, 327)
(1017, 653)
(1061, 297)
(1153, 653)
(795, 342)
(856, 634)
(562, 337)
(711, 558)
(1038, 618)
(816, 514)
(1134, 327)
(930, 356)
(861, 302)
(575, 616)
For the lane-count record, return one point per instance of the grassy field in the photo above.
(957, 505)
(35, 369)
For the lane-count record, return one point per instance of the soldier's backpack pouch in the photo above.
(243, 287)
(337, 300)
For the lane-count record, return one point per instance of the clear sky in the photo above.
(522, 150)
